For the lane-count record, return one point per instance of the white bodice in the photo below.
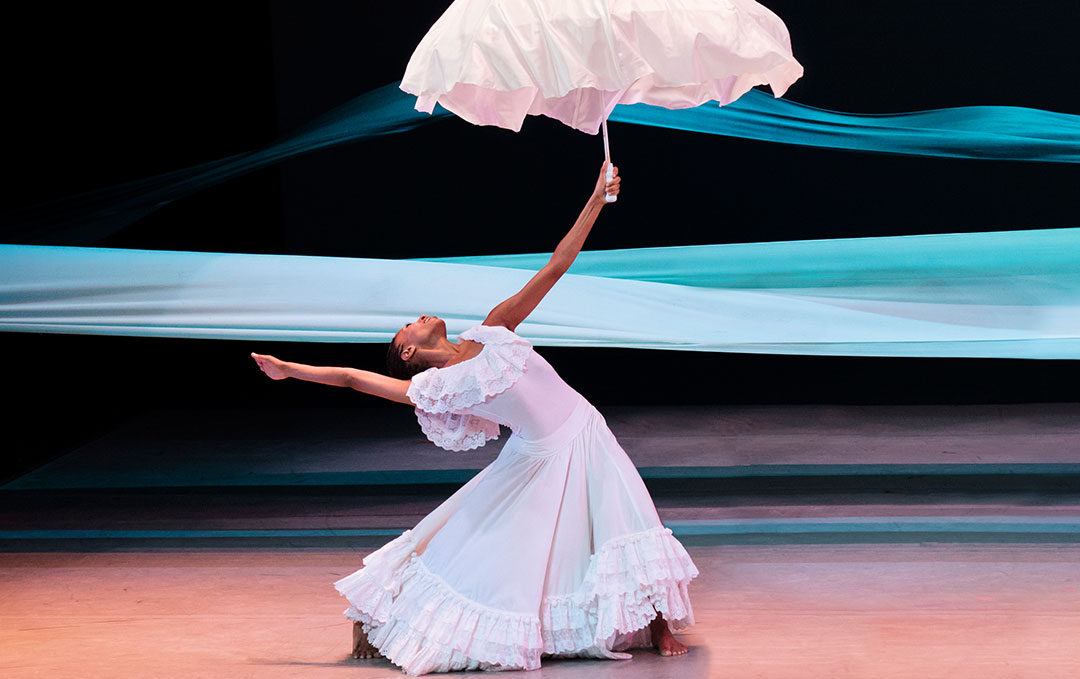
(460, 407)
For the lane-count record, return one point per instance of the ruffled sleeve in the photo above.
(456, 431)
(442, 394)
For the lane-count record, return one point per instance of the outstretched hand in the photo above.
(273, 367)
(604, 187)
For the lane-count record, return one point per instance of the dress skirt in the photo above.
(555, 548)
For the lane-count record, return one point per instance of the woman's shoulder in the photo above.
(493, 334)
(494, 369)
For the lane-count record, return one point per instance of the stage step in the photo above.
(379, 446)
(367, 517)
(726, 475)
(852, 530)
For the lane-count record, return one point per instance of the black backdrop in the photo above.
(102, 95)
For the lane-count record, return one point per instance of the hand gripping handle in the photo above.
(608, 198)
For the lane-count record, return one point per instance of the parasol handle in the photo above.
(608, 198)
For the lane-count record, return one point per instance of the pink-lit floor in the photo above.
(194, 545)
(892, 610)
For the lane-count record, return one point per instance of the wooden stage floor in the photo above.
(832, 542)
(766, 612)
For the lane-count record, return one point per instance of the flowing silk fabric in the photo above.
(984, 132)
(1004, 294)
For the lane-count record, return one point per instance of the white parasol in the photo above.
(492, 62)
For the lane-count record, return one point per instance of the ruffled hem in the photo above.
(627, 582)
(422, 625)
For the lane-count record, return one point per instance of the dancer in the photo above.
(555, 548)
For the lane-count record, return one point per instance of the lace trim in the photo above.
(627, 581)
(456, 431)
(495, 369)
(421, 624)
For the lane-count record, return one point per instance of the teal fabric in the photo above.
(975, 268)
(1003, 295)
(89, 217)
(979, 132)
(986, 132)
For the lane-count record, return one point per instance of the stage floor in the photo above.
(832, 542)
(767, 612)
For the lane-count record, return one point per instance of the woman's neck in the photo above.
(447, 353)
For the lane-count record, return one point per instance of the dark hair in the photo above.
(403, 370)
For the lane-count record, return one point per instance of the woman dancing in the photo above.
(553, 549)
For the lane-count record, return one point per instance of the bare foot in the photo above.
(663, 640)
(361, 647)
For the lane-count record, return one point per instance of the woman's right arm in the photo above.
(516, 309)
(368, 382)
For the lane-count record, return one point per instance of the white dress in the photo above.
(555, 548)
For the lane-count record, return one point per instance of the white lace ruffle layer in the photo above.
(465, 384)
(422, 625)
(440, 394)
(457, 431)
(627, 582)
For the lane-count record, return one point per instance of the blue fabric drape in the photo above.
(987, 132)
(1003, 295)
(978, 132)
(88, 217)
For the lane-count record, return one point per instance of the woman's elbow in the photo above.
(355, 381)
(558, 266)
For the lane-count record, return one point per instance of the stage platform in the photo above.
(244, 447)
(832, 541)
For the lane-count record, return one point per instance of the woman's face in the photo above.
(424, 332)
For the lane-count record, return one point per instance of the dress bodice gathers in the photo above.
(460, 407)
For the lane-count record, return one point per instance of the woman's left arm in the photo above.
(368, 382)
(516, 309)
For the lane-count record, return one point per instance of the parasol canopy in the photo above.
(492, 62)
